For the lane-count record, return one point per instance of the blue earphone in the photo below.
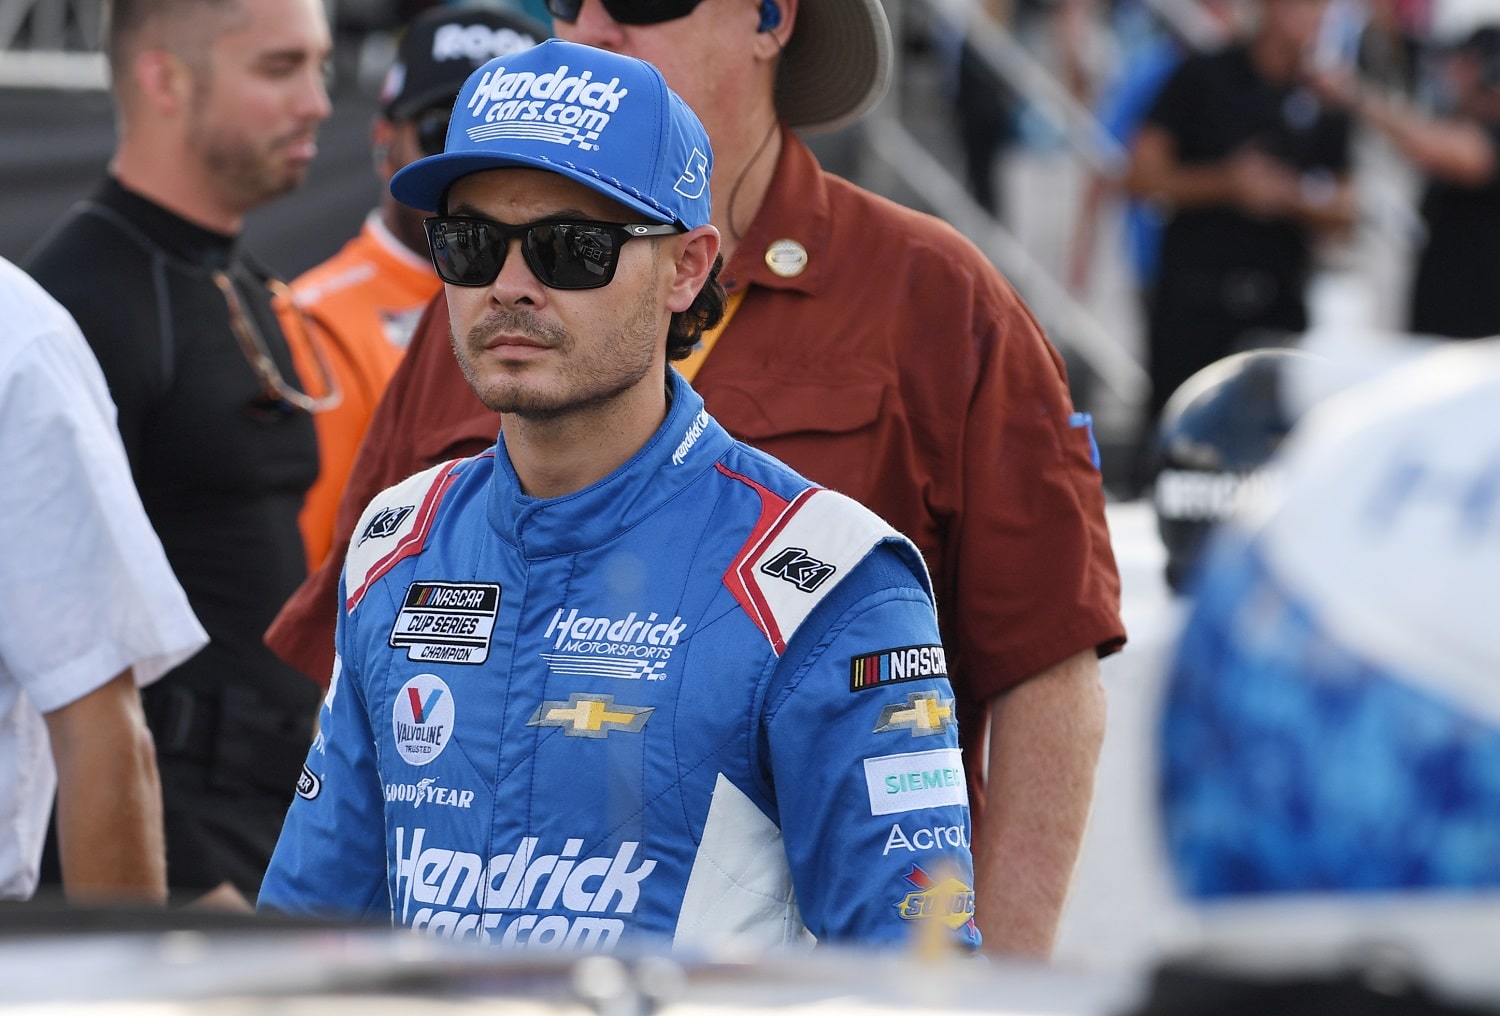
(770, 16)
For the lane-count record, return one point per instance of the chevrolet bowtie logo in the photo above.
(924, 713)
(590, 716)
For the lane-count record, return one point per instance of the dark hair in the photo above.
(126, 20)
(688, 326)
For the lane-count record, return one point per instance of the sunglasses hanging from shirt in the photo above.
(276, 393)
(562, 255)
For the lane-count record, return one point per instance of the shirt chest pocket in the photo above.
(829, 429)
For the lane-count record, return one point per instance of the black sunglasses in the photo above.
(562, 255)
(627, 12)
(432, 129)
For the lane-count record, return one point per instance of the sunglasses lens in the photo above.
(432, 130)
(564, 10)
(572, 255)
(562, 255)
(465, 252)
(627, 12)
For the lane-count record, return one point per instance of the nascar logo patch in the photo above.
(893, 666)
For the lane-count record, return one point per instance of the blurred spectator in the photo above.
(1122, 108)
(364, 301)
(985, 109)
(878, 353)
(1456, 291)
(1332, 721)
(88, 610)
(218, 103)
(1249, 166)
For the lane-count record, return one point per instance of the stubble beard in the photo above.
(580, 385)
(247, 175)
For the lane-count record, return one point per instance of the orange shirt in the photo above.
(359, 308)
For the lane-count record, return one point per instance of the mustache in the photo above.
(514, 322)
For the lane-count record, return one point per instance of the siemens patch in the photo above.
(916, 780)
(892, 666)
(447, 622)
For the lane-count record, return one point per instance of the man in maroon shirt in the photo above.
(878, 352)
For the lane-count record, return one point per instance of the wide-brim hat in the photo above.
(837, 65)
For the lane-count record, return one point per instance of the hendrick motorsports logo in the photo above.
(543, 107)
(630, 647)
(447, 622)
(422, 719)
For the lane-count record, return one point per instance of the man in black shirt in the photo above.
(1249, 165)
(1456, 288)
(218, 104)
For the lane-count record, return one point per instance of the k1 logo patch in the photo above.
(422, 719)
(385, 523)
(447, 622)
(799, 568)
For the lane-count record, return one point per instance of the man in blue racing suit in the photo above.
(620, 680)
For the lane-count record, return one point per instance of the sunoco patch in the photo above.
(447, 622)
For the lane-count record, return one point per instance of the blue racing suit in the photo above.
(699, 699)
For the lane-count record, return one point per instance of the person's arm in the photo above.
(109, 825)
(1045, 737)
(1248, 180)
(866, 773)
(1457, 151)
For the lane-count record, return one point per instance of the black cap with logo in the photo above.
(440, 49)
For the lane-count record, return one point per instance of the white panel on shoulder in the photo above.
(394, 526)
(803, 555)
(740, 889)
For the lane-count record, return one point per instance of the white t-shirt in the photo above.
(85, 588)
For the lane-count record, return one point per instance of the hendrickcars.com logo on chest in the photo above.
(571, 899)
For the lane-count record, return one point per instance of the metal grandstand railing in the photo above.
(51, 44)
(1072, 325)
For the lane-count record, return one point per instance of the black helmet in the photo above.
(1216, 433)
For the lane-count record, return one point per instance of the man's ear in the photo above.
(164, 81)
(382, 133)
(773, 34)
(695, 260)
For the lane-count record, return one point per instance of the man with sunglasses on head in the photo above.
(364, 301)
(877, 352)
(607, 684)
(218, 105)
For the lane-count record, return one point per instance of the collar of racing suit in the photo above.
(688, 442)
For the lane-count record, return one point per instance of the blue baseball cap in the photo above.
(608, 121)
